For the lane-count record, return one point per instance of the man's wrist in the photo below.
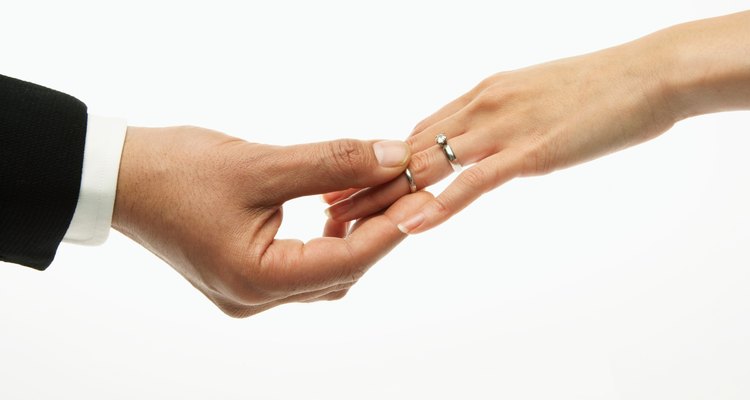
(124, 186)
(143, 166)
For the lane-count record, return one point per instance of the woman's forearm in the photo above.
(706, 64)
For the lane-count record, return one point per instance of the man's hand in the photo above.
(210, 206)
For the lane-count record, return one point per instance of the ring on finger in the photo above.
(442, 141)
(410, 179)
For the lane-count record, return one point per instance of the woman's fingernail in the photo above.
(336, 199)
(391, 153)
(411, 223)
(339, 208)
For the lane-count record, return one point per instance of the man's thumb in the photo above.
(324, 167)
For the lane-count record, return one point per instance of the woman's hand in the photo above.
(540, 119)
(527, 122)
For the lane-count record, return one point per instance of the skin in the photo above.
(210, 205)
(543, 118)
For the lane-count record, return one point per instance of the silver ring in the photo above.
(442, 141)
(410, 179)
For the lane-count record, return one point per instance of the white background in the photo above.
(625, 278)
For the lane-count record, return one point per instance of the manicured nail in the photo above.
(411, 223)
(333, 200)
(339, 208)
(391, 153)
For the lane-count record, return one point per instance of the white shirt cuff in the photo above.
(105, 138)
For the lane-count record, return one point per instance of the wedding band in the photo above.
(442, 141)
(410, 179)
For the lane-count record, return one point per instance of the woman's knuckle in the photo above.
(420, 163)
(474, 178)
(441, 205)
(539, 156)
(490, 100)
(411, 141)
(484, 84)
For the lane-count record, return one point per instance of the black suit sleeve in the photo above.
(42, 137)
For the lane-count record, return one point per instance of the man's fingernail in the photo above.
(391, 153)
(411, 223)
(339, 208)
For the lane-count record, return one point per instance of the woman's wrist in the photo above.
(702, 66)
